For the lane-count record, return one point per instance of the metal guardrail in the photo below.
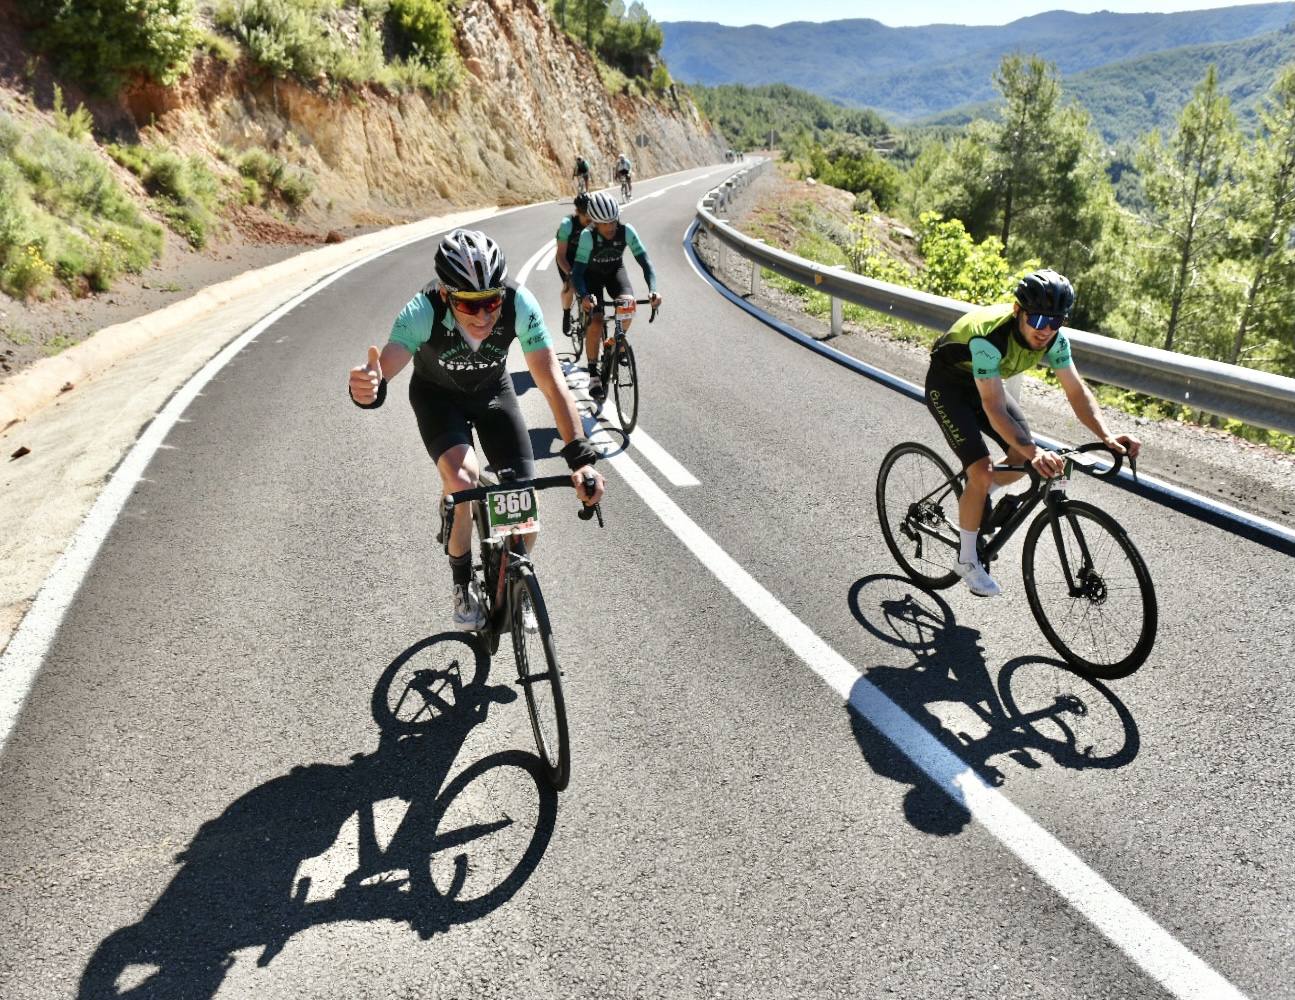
(1254, 397)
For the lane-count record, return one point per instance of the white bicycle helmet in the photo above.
(470, 261)
(604, 208)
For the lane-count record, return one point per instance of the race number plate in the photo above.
(625, 309)
(512, 511)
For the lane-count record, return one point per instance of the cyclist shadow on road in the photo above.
(383, 837)
(1035, 708)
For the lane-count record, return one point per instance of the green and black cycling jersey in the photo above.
(569, 231)
(445, 355)
(599, 257)
(986, 343)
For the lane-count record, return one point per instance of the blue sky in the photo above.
(897, 15)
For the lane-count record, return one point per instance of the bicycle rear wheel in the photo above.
(1105, 625)
(540, 678)
(917, 504)
(625, 384)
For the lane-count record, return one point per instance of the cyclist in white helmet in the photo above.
(623, 171)
(457, 332)
(599, 270)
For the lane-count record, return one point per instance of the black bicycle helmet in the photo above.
(1045, 292)
(582, 203)
(470, 261)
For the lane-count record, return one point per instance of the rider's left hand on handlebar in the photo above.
(655, 298)
(1124, 444)
(600, 485)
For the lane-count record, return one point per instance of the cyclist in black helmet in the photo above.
(568, 238)
(965, 394)
(457, 332)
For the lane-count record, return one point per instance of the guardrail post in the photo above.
(723, 257)
(837, 316)
(755, 278)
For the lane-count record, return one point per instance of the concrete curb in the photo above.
(36, 387)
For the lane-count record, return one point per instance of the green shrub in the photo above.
(269, 173)
(100, 42)
(185, 191)
(76, 124)
(261, 166)
(960, 268)
(423, 30)
(285, 37)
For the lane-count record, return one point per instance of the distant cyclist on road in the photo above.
(623, 171)
(581, 174)
(965, 394)
(457, 331)
(600, 270)
(568, 236)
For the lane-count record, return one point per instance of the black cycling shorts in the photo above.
(609, 286)
(446, 418)
(955, 404)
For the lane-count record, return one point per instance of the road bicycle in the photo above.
(625, 188)
(505, 512)
(617, 369)
(1088, 586)
(582, 183)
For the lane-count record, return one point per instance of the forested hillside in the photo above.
(908, 73)
(771, 115)
(1128, 99)
(1183, 239)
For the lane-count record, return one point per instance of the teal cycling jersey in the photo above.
(568, 233)
(444, 355)
(985, 343)
(601, 256)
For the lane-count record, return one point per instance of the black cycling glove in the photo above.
(579, 453)
(377, 400)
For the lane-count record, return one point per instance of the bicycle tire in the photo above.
(488, 569)
(1093, 614)
(576, 331)
(543, 687)
(908, 475)
(625, 385)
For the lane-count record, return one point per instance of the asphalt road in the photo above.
(216, 790)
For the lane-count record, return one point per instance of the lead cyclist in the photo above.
(457, 332)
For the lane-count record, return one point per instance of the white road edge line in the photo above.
(1129, 928)
(600, 436)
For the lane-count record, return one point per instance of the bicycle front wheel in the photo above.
(625, 384)
(917, 504)
(1101, 615)
(540, 678)
(576, 331)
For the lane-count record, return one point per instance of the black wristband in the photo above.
(579, 453)
(377, 400)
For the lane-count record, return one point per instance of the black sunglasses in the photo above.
(1042, 321)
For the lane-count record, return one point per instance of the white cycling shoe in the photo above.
(468, 615)
(977, 578)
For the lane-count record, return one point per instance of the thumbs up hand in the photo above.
(365, 379)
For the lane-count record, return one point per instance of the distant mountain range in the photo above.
(1127, 99)
(911, 73)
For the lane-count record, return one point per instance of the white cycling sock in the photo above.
(967, 553)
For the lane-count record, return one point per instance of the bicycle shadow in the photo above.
(282, 858)
(1035, 706)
